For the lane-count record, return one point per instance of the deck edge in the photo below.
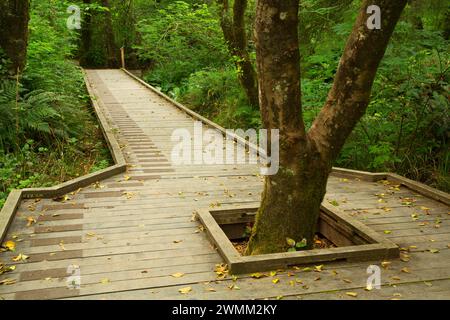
(377, 247)
(15, 197)
(363, 175)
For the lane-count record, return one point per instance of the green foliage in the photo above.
(48, 133)
(217, 94)
(407, 123)
(40, 115)
(406, 126)
(179, 40)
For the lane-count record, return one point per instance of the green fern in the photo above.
(38, 115)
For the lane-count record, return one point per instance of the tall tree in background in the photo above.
(111, 48)
(232, 22)
(86, 34)
(14, 17)
(291, 199)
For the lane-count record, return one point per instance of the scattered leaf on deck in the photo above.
(7, 281)
(178, 275)
(318, 268)
(347, 280)
(258, 275)
(334, 203)
(20, 257)
(405, 270)
(10, 245)
(185, 290)
(352, 294)
(30, 221)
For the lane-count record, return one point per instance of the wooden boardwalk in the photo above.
(133, 237)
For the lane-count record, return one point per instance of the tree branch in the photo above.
(349, 97)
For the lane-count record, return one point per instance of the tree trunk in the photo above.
(291, 199)
(111, 49)
(86, 37)
(446, 24)
(234, 32)
(14, 17)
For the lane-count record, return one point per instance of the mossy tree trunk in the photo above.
(233, 27)
(291, 199)
(14, 18)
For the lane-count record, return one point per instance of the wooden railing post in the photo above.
(122, 57)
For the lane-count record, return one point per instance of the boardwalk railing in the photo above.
(120, 166)
(12, 202)
(363, 175)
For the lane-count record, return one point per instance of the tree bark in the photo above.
(111, 49)
(234, 32)
(291, 199)
(14, 18)
(86, 37)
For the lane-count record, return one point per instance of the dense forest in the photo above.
(203, 54)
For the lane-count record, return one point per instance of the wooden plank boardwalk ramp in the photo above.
(132, 236)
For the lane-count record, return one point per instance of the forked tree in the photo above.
(292, 198)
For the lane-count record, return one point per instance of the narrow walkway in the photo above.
(133, 237)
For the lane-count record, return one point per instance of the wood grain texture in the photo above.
(130, 232)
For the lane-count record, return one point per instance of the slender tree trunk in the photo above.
(291, 199)
(234, 32)
(111, 49)
(86, 37)
(14, 18)
(446, 24)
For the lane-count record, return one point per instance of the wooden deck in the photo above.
(133, 236)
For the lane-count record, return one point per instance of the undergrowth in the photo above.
(48, 130)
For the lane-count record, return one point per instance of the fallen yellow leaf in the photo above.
(7, 282)
(178, 275)
(405, 270)
(258, 275)
(318, 268)
(10, 245)
(185, 290)
(352, 294)
(30, 221)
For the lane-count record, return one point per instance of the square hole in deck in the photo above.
(346, 238)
